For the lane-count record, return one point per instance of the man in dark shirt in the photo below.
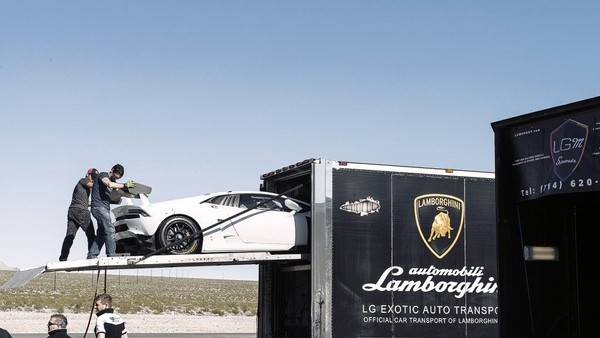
(4, 333)
(78, 215)
(57, 326)
(104, 184)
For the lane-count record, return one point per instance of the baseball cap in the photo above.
(93, 172)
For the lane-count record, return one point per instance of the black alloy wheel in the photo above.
(176, 228)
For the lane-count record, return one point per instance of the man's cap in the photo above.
(93, 172)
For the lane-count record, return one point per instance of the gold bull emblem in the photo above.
(441, 225)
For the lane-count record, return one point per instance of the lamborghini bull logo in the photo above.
(434, 215)
(441, 225)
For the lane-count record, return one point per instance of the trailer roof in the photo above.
(546, 113)
(302, 166)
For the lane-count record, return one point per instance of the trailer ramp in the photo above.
(160, 261)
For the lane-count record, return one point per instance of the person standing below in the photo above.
(57, 326)
(4, 333)
(78, 215)
(104, 184)
(108, 323)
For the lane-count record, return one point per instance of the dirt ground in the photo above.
(35, 322)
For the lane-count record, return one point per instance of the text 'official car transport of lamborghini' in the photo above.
(273, 223)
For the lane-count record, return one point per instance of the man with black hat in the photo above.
(104, 184)
(78, 215)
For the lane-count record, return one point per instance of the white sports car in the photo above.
(230, 221)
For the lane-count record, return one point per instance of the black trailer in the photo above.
(395, 252)
(547, 189)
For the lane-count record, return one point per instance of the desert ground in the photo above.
(35, 322)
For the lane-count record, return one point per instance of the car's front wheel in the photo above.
(176, 228)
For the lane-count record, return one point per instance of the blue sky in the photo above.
(200, 96)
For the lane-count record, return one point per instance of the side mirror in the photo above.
(292, 205)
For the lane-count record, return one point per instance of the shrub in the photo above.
(59, 291)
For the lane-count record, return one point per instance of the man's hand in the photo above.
(129, 184)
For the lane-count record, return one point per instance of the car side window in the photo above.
(252, 200)
(246, 201)
(261, 199)
(217, 200)
(225, 200)
(231, 201)
(274, 204)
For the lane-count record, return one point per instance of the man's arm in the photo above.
(111, 184)
(118, 187)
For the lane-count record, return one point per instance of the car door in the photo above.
(268, 224)
(213, 211)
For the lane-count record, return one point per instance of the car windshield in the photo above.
(250, 200)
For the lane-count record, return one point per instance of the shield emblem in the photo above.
(568, 143)
(439, 220)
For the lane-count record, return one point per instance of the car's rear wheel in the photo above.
(176, 228)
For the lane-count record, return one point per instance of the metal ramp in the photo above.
(22, 277)
(159, 261)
